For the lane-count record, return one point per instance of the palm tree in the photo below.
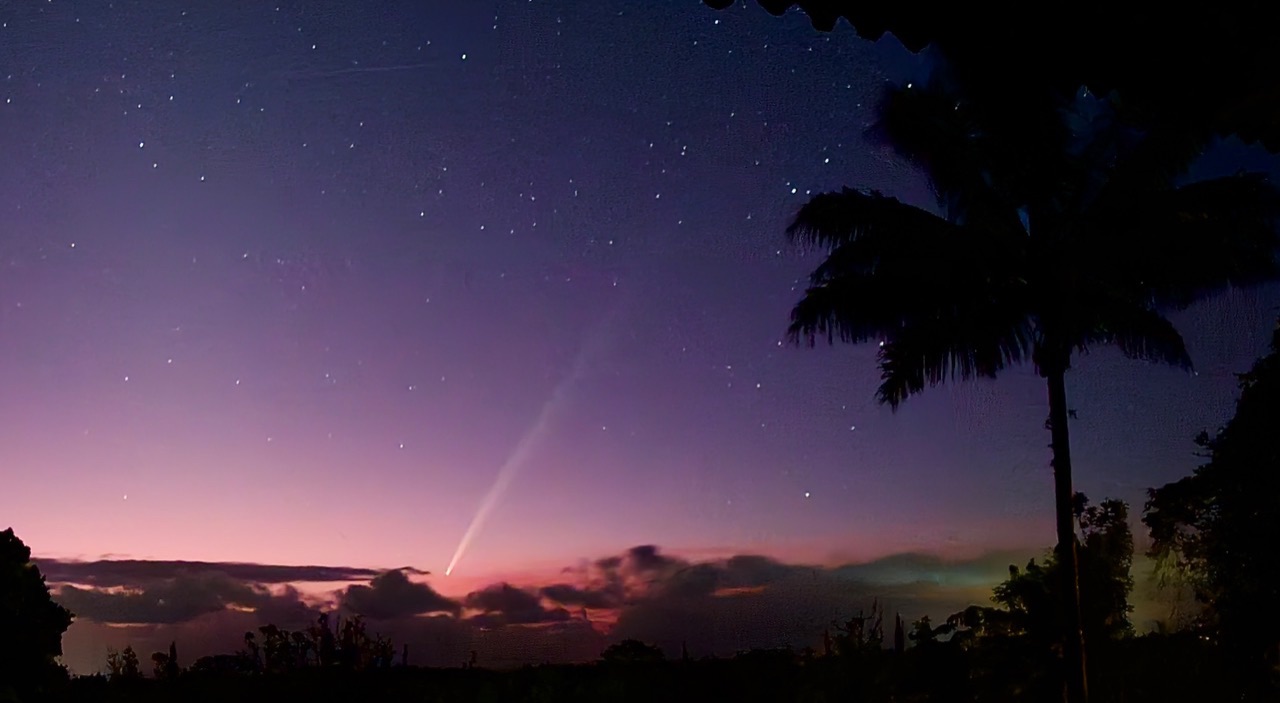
(1060, 229)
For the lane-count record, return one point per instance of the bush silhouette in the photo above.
(632, 652)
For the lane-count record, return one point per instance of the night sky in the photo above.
(301, 284)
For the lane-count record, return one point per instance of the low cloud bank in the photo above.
(711, 607)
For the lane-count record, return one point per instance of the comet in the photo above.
(530, 440)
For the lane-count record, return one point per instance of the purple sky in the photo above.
(290, 285)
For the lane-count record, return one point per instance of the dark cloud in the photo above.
(173, 600)
(612, 562)
(392, 595)
(131, 572)
(713, 607)
(748, 601)
(712, 610)
(502, 597)
(504, 604)
(645, 559)
(611, 581)
(927, 568)
(573, 596)
(644, 573)
(689, 581)
(748, 570)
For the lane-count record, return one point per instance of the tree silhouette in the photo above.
(1016, 638)
(1222, 56)
(123, 664)
(165, 665)
(171, 667)
(632, 652)
(322, 641)
(31, 624)
(1221, 524)
(861, 633)
(1059, 230)
(252, 652)
(1029, 601)
(1106, 560)
(159, 664)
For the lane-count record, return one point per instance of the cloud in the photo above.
(748, 601)
(721, 608)
(128, 572)
(926, 568)
(646, 559)
(642, 573)
(714, 607)
(748, 570)
(612, 581)
(392, 595)
(171, 600)
(573, 596)
(504, 604)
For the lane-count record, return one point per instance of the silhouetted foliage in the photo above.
(1207, 72)
(632, 652)
(1220, 527)
(31, 624)
(1106, 560)
(1059, 230)
(1018, 638)
(861, 633)
(237, 664)
(165, 665)
(1000, 653)
(1030, 600)
(934, 669)
(159, 664)
(123, 664)
(325, 644)
(347, 645)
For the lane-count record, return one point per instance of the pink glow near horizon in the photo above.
(307, 319)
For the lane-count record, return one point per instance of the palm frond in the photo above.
(936, 130)
(981, 343)
(1107, 241)
(830, 220)
(840, 311)
(1174, 247)
(1139, 333)
(1158, 159)
(947, 300)
(898, 264)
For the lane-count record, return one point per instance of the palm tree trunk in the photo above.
(1077, 687)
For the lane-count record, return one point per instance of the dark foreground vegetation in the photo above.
(1149, 668)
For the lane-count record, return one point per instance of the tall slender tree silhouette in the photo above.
(1060, 228)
